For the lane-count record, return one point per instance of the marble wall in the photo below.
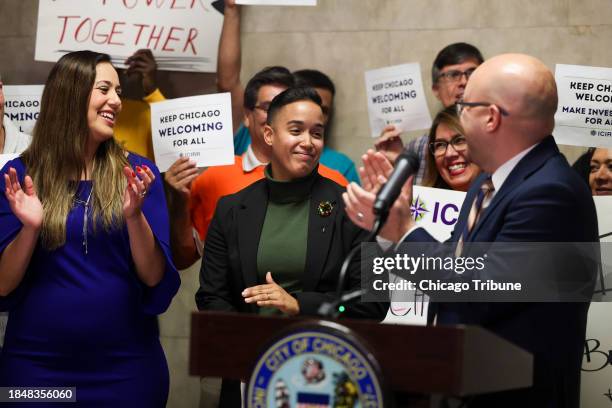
(343, 38)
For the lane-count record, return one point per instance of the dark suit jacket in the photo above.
(230, 254)
(542, 200)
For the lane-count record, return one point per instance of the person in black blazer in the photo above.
(293, 219)
(276, 247)
(508, 115)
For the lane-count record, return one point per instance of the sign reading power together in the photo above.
(199, 127)
(182, 34)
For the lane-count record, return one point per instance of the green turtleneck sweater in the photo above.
(284, 236)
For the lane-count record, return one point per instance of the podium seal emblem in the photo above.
(315, 366)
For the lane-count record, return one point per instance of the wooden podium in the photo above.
(451, 361)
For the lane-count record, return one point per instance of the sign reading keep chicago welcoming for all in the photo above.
(396, 97)
(22, 105)
(584, 114)
(199, 127)
(182, 34)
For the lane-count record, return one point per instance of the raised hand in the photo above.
(390, 143)
(23, 201)
(138, 184)
(272, 295)
(143, 63)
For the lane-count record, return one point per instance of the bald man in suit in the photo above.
(507, 113)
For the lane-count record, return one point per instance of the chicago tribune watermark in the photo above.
(489, 272)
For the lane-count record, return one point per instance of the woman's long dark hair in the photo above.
(56, 156)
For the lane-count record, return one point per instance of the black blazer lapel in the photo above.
(320, 232)
(251, 216)
(525, 167)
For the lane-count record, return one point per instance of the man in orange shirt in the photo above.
(193, 198)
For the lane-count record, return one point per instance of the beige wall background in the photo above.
(343, 38)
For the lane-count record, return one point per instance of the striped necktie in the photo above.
(486, 190)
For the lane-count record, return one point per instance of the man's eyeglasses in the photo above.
(439, 147)
(462, 104)
(263, 107)
(455, 75)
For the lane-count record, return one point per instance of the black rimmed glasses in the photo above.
(455, 75)
(264, 107)
(439, 147)
(462, 104)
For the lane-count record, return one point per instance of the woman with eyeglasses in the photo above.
(447, 164)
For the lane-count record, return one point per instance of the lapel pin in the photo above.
(325, 208)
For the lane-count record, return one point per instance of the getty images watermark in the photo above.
(489, 272)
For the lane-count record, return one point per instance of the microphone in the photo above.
(407, 164)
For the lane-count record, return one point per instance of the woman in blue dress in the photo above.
(85, 263)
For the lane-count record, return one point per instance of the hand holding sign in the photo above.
(143, 63)
(180, 175)
(390, 143)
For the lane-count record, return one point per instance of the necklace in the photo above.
(85, 216)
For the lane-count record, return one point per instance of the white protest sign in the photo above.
(199, 127)
(596, 391)
(5, 158)
(182, 34)
(278, 2)
(22, 105)
(584, 113)
(396, 97)
(436, 210)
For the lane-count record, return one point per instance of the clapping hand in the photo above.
(272, 295)
(359, 201)
(23, 201)
(136, 190)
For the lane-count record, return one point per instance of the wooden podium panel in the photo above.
(454, 360)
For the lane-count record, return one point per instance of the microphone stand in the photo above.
(331, 309)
